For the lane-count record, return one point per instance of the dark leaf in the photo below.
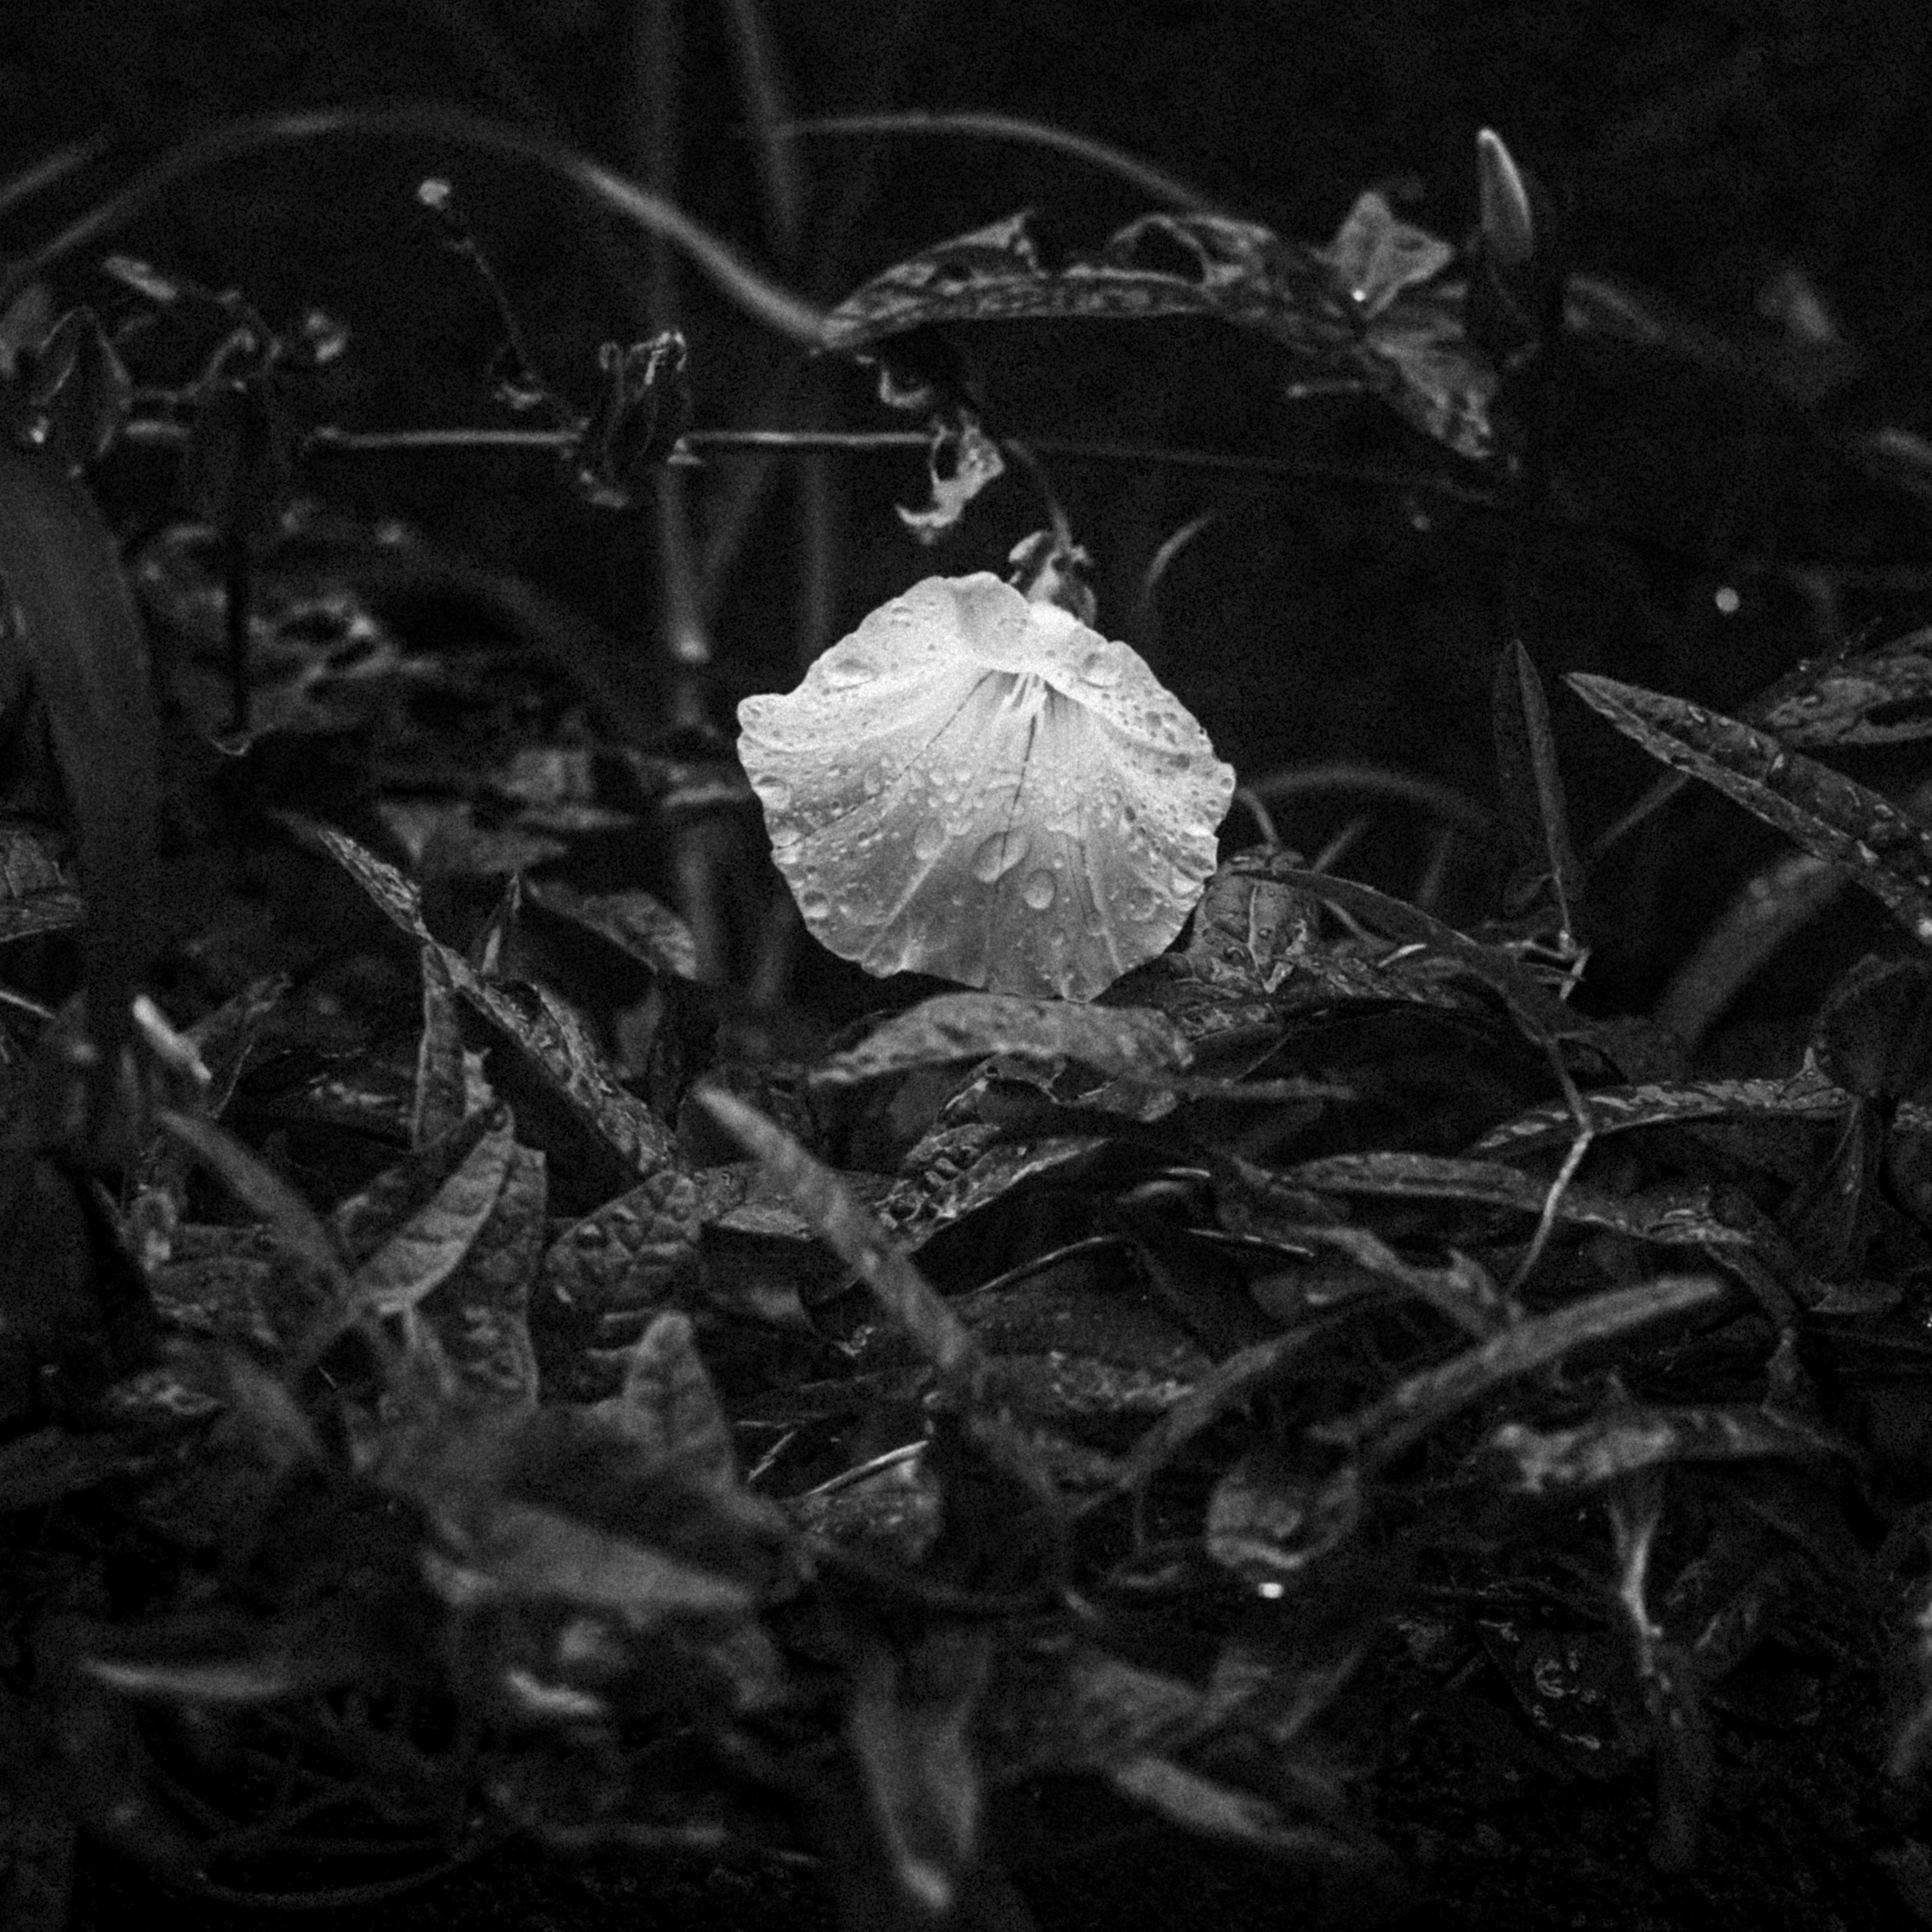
(642, 408)
(442, 1084)
(602, 1282)
(1267, 1522)
(954, 1171)
(479, 1315)
(1197, 1803)
(1874, 1037)
(910, 1719)
(1807, 1095)
(1679, 1216)
(1631, 1438)
(296, 1227)
(1418, 1404)
(1880, 696)
(1534, 809)
(60, 572)
(1117, 1040)
(1831, 817)
(634, 921)
(551, 1039)
(858, 1239)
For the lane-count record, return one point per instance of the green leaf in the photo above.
(1831, 817)
(1114, 1040)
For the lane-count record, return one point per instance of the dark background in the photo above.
(1699, 152)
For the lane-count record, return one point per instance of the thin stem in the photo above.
(758, 294)
(1169, 190)
(44, 173)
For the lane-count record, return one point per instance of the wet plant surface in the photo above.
(865, 1060)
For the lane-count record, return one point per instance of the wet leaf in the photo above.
(1809, 1094)
(1674, 1216)
(410, 1260)
(632, 921)
(1830, 816)
(1534, 808)
(979, 787)
(1116, 1040)
(1418, 1404)
(1159, 265)
(551, 1039)
(603, 1280)
(955, 1171)
(859, 1241)
(1878, 697)
(479, 1315)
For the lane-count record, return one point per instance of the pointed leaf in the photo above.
(1116, 1040)
(60, 575)
(1534, 806)
(1831, 817)
(551, 1039)
(901, 1291)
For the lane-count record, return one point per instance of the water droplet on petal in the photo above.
(843, 669)
(999, 854)
(813, 902)
(1038, 890)
(1100, 668)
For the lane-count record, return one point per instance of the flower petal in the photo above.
(981, 787)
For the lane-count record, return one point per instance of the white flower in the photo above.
(979, 786)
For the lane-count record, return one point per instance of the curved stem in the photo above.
(1169, 190)
(735, 276)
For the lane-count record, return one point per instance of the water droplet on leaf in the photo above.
(1038, 890)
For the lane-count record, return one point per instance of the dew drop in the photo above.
(929, 841)
(1101, 669)
(1038, 890)
(844, 670)
(999, 854)
(813, 902)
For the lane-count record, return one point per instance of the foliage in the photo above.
(498, 1341)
